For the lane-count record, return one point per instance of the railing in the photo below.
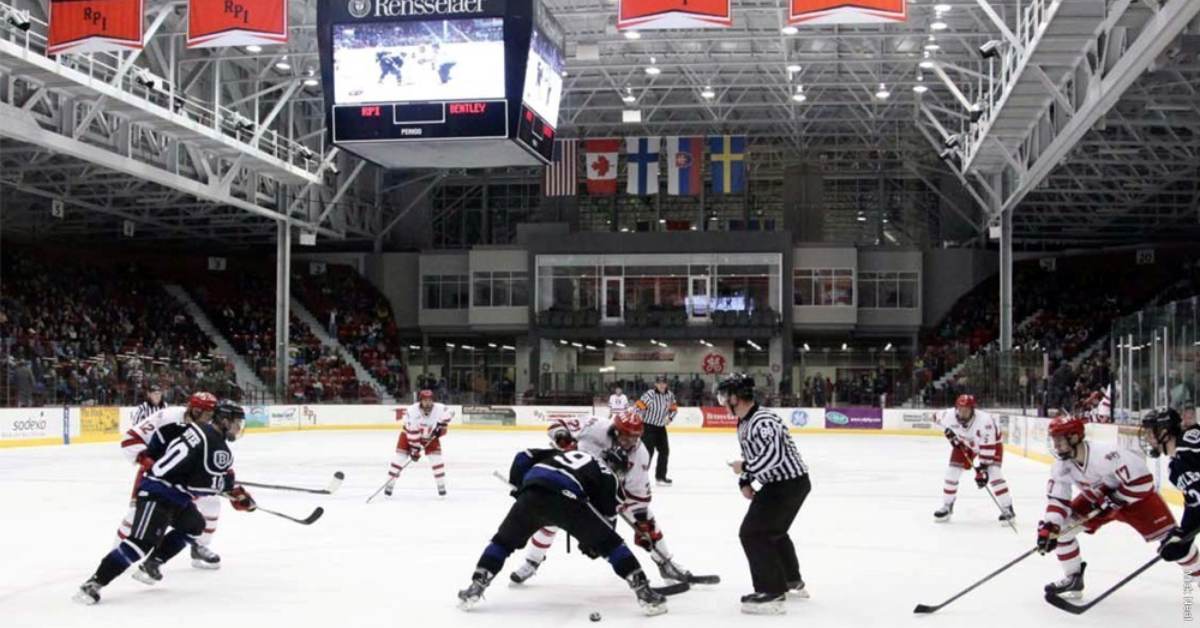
(1154, 360)
(103, 67)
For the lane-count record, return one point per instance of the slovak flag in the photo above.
(728, 163)
(685, 163)
(602, 166)
(641, 156)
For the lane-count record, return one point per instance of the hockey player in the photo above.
(443, 62)
(617, 401)
(389, 64)
(973, 434)
(1162, 432)
(571, 490)
(195, 463)
(616, 442)
(424, 424)
(166, 424)
(1114, 485)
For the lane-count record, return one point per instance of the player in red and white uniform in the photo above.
(975, 440)
(617, 402)
(171, 421)
(617, 443)
(424, 424)
(1113, 482)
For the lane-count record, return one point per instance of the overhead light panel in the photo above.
(283, 64)
(789, 30)
(799, 96)
(707, 93)
(938, 25)
(931, 44)
(653, 69)
(793, 68)
(254, 48)
(926, 61)
(920, 87)
(632, 35)
(882, 93)
(941, 8)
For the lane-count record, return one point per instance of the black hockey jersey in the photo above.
(1185, 475)
(194, 463)
(573, 471)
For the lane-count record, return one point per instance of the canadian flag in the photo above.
(602, 166)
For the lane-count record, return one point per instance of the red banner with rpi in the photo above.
(656, 14)
(846, 11)
(213, 23)
(94, 26)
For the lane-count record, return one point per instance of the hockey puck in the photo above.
(594, 617)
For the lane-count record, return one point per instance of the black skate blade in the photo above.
(672, 589)
(711, 579)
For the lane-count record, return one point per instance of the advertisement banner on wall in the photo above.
(489, 415)
(717, 416)
(257, 416)
(854, 419)
(99, 420)
(30, 423)
(918, 419)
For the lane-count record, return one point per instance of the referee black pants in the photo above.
(655, 439)
(764, 534)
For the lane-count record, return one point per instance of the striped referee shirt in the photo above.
(769, 453)
(657, 408)
(145, 410)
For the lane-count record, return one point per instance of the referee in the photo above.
(771, 459)
(153, 403)
(657, 407)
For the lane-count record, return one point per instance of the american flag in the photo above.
(560, 176)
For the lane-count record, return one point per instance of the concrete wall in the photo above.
(895, 260)
(816, 316)
(949, 274)
(397, 276)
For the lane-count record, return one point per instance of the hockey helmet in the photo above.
(230, 418)
(425, 394)
(561, 436)
(628, 428)
(1157, 427)
(964, 408)
(1066, 430)
(739, 384)
(202, 402)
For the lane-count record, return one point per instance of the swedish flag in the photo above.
(728, 155)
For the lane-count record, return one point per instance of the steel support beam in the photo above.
(283, 300)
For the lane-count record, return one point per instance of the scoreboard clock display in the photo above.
(442, 83)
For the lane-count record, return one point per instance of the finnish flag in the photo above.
(641, 156)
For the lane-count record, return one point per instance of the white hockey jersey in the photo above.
(137, 436)
(595, 439)
(419, 426)
(1107, 470)
(981, 436)
(618, 403)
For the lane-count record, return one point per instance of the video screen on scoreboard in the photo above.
(544, 77)
(419, 61)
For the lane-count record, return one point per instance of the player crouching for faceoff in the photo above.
(1114, 485)
(973, 434)
(166, 424)
(571, 490)
(1161, 433)
(424, 425)
(195, 463)
(617, 443)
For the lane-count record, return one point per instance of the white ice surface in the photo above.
(867, 544)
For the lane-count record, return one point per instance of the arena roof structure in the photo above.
(1078, 120)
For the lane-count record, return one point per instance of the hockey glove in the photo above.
(1047, 537)
(647, 534)
(438, 430)
(414, 453)
(953, 438)
(616, 459)
(1175, 546)
(1105, 503)
(144, 461)
(589, 551)
(981, 476)
(241, 500)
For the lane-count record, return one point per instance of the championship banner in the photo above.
(663, 14)
(222, 23)
(802, 12)
(94, 26)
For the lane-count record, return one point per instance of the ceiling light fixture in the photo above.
(628, 96)
(920, 87)
(789, 30)
(793, 68)
(707, 93)
(283, 64)
(653, 69)
(254, 48)
(883, 92)
(938, 25)
(941, 8)
(633, 35)
(926, 61)
(931, 44)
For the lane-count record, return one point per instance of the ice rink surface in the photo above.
(868, 547)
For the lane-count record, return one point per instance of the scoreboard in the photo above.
(442, 83)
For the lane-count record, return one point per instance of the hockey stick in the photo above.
(926, 609)
(309, 520)
(692, 578)
(421, 450)
(334, 485)
(1078, 609)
